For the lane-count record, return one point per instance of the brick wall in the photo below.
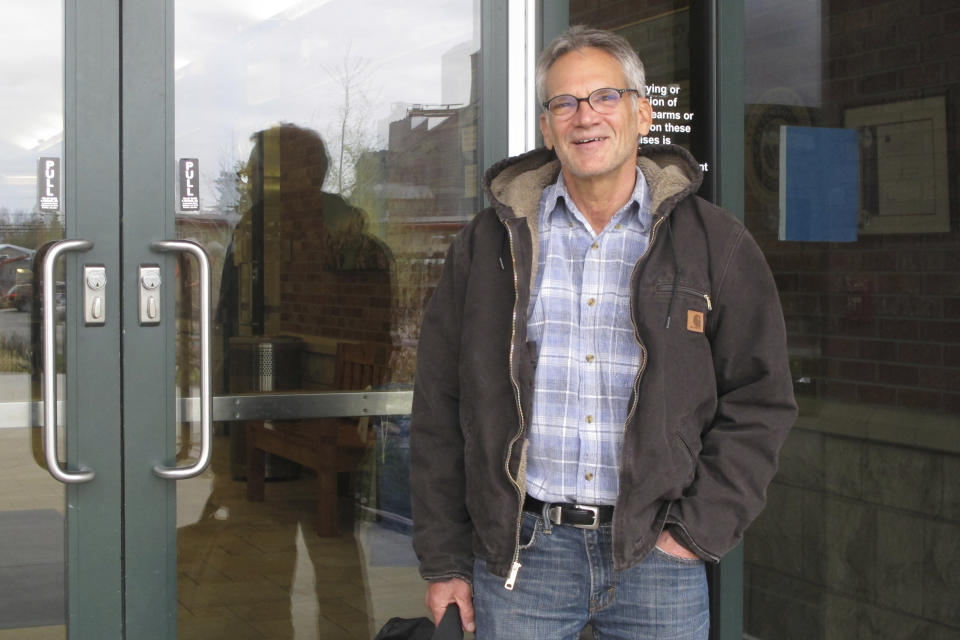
(876, 321)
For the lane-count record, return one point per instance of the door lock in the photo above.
(149, 283)
(94, 294)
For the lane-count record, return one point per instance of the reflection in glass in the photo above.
(859, 539)
(336, 161)
(31, 213)
(660, 32)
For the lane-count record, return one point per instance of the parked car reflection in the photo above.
(20, 297)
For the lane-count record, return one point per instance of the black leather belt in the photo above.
(584, 516)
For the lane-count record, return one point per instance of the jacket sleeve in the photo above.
(442, 530)
(755, 408)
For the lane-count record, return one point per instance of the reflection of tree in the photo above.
(351, 135)
(29, 230)
(227, 184)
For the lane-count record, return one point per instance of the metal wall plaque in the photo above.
(189, 171)
(48, 184)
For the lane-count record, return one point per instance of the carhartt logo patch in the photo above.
(694, 321)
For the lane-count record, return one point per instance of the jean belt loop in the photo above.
(547, 523)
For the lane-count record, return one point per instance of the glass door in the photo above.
(60, 571)
(322, 157)
(32, 503)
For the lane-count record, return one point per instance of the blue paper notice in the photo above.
(819, 184)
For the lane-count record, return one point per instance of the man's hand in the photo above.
(670, 546)
(442, 593)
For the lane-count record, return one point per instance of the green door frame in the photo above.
(717, 85)
(149, 352)
(728, 165)
(93, 391)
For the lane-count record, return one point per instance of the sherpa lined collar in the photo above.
(670, 171)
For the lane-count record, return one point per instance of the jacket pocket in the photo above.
(666, 288)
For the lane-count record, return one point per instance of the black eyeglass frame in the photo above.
(546, 105)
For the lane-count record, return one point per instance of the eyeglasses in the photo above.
(603, 100)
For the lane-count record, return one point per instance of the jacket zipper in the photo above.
(633, 321)
(643, 354)
(515, 565)
(688, 290)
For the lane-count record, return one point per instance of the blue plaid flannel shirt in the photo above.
(587, 355)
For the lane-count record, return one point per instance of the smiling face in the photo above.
(593, 147)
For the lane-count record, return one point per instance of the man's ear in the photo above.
(644, 116)
(545, 131)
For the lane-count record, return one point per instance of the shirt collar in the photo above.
(556, 200)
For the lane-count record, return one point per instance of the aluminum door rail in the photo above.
(300, 406)
(50, 404)
(252, 406)
(204, 412)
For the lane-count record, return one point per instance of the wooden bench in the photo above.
(328, 446)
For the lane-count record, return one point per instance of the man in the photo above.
(602, 383)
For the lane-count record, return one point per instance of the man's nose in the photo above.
(585, 114)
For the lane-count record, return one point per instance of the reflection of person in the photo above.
(301, 262)
(293, 237)
(602, 383)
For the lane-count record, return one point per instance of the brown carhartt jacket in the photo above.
(712, 401)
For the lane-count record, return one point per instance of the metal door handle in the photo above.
(206, 388)
(50, 364)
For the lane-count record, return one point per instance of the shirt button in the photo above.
(590, 357)
(591, 302)
(619, 226)
(594, 246)
(589, 419)
(589, 477)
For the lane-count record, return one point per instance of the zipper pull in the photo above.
(706, 297)
(512, 578)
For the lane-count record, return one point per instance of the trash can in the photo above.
(261, 364)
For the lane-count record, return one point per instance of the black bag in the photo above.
(423, 629)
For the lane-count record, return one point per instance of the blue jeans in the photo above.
(567, 581)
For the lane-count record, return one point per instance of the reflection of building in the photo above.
(428, 173)
(421, 190)
(429, 176)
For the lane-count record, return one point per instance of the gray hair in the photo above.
(581, 37)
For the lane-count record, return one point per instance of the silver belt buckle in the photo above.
(596, 516)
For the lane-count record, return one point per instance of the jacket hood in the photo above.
(514, 185)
